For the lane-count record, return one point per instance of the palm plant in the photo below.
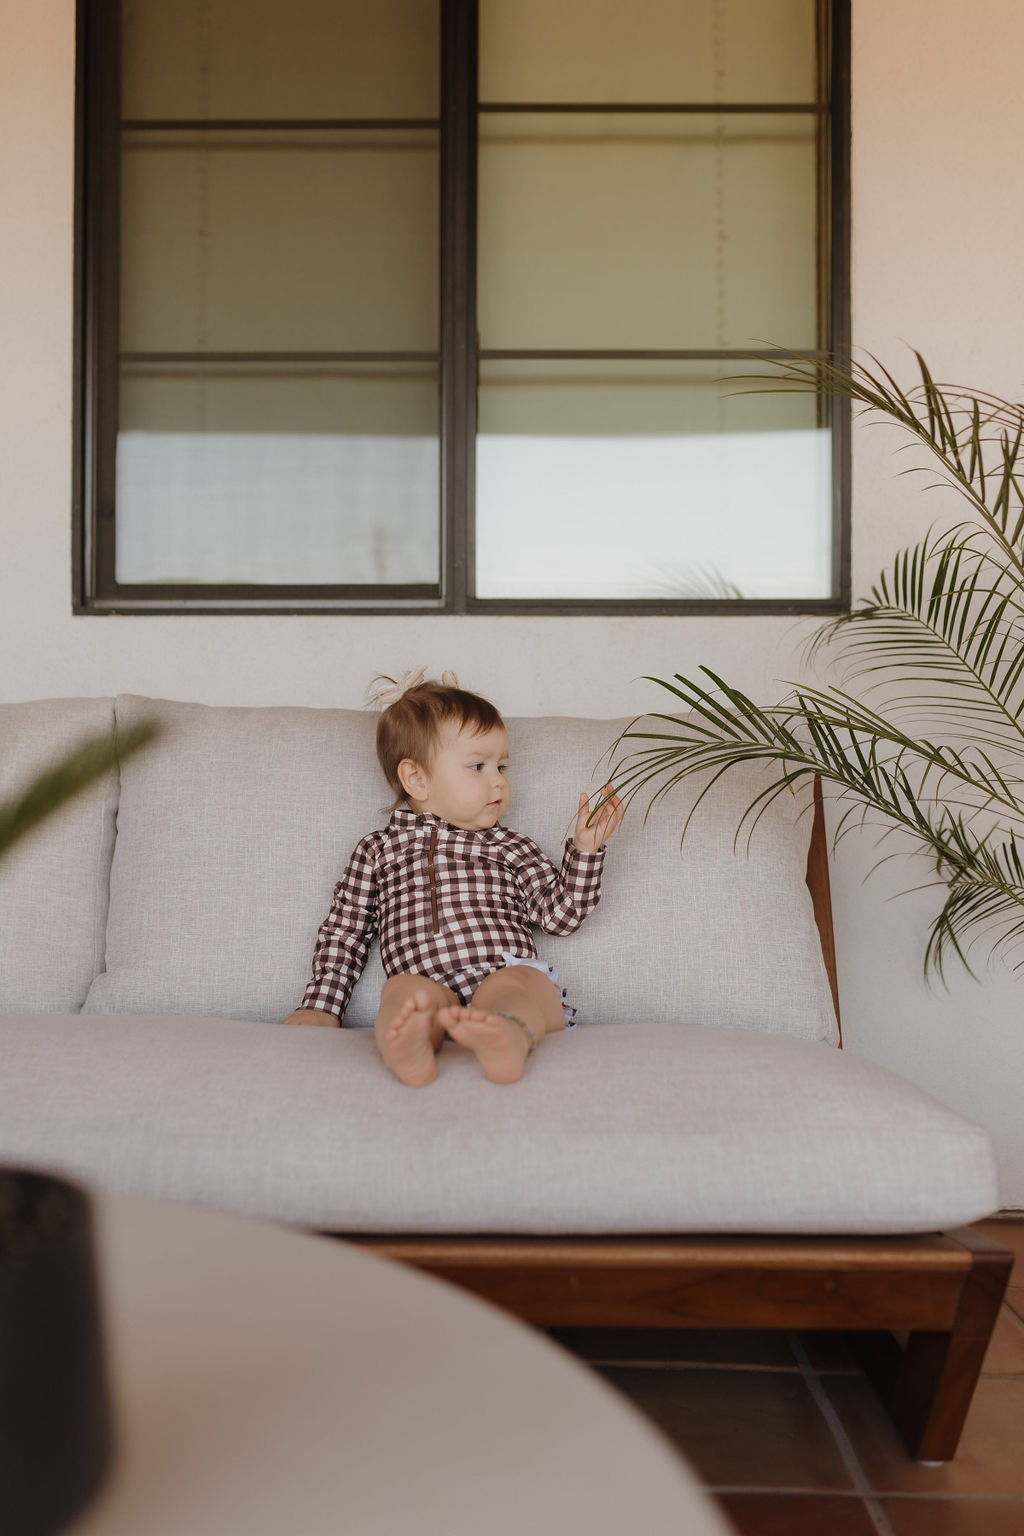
(75, 773)
(923, 727)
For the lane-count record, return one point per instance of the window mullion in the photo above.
(458, 293)
(100, 36)
(836, 59)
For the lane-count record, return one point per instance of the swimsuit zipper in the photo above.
(433, 881)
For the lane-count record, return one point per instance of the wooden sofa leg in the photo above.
(927, 1384)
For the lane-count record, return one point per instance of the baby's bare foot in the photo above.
(406, 1044)
(501, 1045)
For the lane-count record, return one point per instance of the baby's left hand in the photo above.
(590, 839)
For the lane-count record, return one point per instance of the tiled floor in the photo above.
(786, 1432)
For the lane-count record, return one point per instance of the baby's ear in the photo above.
(412, 777)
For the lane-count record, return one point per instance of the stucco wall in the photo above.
(938, 225)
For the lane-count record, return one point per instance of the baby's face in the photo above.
(467, 782)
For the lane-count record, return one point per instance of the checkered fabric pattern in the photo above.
(447, 904)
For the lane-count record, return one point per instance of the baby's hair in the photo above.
(414, 711)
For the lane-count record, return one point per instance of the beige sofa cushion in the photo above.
(54, 882)
(230, 839)
(232, 833)
(618, 1128)
(698, 934)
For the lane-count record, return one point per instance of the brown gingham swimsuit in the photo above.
(448, 904)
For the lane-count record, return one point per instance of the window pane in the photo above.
(647, 232)
(264, 58)
(325, 477)
(648, 480)
(293, 241)
(651, 50)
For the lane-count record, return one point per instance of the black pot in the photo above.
(55, 1422)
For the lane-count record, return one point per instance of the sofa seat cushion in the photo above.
(233, 831)
(55, 881)
(614, 1129)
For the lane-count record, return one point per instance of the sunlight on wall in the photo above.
(276, 506)
(687, 515)
(690, 515)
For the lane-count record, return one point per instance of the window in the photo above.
(432, 305)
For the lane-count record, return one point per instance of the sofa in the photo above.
(699, 1152)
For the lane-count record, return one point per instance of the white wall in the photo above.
(938, 227)
(938, 224)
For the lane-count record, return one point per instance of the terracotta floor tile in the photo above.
(954, 1517)
(827, 1351)
(988, 1461)
(740, 1429)
(1005, 1354)
(1015, 1299)
(689, 1345)
(797, 1514)
(1011, 1235)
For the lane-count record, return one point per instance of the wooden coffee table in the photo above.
(267, 1381)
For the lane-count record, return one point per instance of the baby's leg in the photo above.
(407, 1030)
(509, 1007)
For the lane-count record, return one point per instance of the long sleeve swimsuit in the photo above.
(447, 903)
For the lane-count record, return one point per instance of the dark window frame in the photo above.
(95, 379)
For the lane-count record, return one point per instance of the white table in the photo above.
(271, 1383)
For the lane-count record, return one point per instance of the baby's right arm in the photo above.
(312, 1016)
(343, 942)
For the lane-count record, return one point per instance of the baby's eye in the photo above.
(503, 767)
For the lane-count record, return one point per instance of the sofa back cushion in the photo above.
(233, 831)
(231, 835)
(54, 881)
(709, 931)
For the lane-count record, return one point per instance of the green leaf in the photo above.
(924, 729)
(57, 786)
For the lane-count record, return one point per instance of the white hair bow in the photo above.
(396, 688)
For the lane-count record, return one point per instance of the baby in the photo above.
(454, 895)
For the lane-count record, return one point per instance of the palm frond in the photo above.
(985, 899)
(922, 731)
(826, 726)
(871, 770)
(56, 787)
(958, 427)
(810, 733)
(958, 637)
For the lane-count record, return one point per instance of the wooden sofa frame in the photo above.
(941, 1293)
